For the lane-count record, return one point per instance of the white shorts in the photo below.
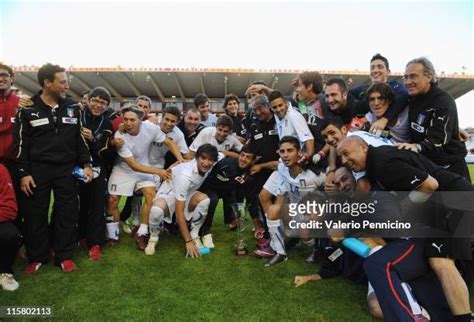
(123, 183)
(166, 193)
(271, 185)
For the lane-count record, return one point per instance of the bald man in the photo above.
(410, 171)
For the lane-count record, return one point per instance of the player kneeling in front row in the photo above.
(294, 182)
(180, 196)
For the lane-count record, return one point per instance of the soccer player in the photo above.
(220, 136)
(294, 183)
(134, 203)
(133, 172)
(191, 125)
(227, 180)
(333, 132)
(410, 171)
(201, 102)
(290, 122)
(168, 123)
(180, 196)
(379, 72)
(338, 103)
(334, 259)
(231, 108)
(142, 102)
(310, 86)
(381, 98)
(227, 143)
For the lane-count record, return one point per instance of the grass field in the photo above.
(128, 285)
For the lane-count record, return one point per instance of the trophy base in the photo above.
(241, 252)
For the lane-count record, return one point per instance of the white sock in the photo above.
(112, 231)
(276, 237)
(136, 207)
(157, 216)
(142, 230)
(199, 216)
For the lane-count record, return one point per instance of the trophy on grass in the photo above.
(240, 211)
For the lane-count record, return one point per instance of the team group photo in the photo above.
(284, 188)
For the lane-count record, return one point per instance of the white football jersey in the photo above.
(208, 135)
(138, 146)
(296, 188)
(294, 124)
(186, 180)
(372, 140)
(159, 150)
(211, 120)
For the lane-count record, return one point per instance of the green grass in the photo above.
(128, 285)
(471, 171)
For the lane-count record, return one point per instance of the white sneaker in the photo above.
(198, 243)
(151, 246)
(207, 241)
(8, 282)
(125, 227)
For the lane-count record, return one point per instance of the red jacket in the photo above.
(8, 206)
(8, 107)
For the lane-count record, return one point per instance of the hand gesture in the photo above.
(164, 174)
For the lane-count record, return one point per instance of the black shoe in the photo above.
(278, 258)
(291, 243)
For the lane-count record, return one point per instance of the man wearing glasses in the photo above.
(8, 107)
(97, 130)
(49, 144)
(433, 119)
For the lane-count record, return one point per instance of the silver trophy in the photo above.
(240, 211)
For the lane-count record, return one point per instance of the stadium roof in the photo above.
(182, 84)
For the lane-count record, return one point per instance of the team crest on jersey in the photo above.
(241, 179)
(303, 182)
(420, 118)
(113, 187)
(227, 147)
(70, 112)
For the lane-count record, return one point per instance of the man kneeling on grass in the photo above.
(180, 195)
